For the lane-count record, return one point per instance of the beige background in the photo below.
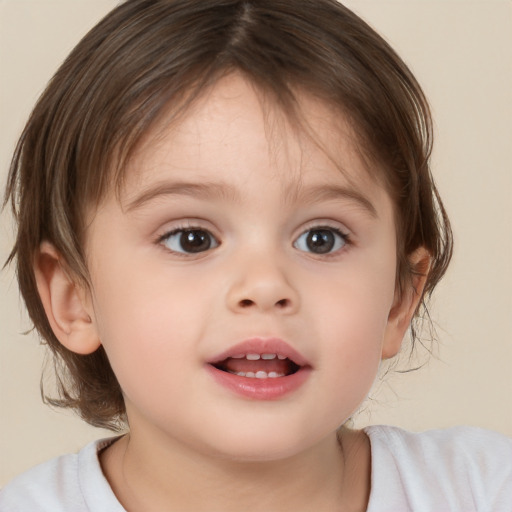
(461, 52)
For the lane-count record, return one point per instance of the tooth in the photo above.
(241, 374)
(281, 357)
(250, 375)
(268, 356)
(273, 375)
(238, 356)
(252, 357)
(261, 375)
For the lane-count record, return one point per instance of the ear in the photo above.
(406, 303)
(67, 305)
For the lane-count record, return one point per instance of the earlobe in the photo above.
(64, 302)
(406, 303)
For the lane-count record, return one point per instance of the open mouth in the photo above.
(258, 366)
(260, 369)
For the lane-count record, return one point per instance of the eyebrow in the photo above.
(214, 190)
(329, 192)
(206, 190)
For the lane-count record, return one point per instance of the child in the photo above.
(226, 220)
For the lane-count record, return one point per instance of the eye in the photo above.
(321, 240)
(189, 241)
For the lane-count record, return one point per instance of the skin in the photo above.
(161, 314)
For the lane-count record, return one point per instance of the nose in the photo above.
(261, 285)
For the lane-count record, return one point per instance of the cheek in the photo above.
(146, 320)
(359, 297)
(353, 313)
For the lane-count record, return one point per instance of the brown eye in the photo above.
(189, 241)
(321, 241)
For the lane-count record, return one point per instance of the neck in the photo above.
(147, 475)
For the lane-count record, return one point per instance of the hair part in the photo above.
(146, 62)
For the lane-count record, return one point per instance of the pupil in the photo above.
(195, 241)
(320, 241)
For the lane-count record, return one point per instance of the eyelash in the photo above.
(183, 229)
(345, 238)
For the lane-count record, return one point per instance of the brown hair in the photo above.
(149, 55)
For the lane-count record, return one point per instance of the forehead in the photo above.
(234, 132)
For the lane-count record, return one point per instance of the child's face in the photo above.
(268, 213)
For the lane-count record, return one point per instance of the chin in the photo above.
(253, 445)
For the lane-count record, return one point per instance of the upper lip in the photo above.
(261, 346)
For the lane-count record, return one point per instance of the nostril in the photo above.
(249, 303)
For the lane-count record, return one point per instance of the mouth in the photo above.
(258, 366)
(263, 369)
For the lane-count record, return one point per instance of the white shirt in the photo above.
(461, 469)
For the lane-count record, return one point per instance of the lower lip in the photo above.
(260, 389)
